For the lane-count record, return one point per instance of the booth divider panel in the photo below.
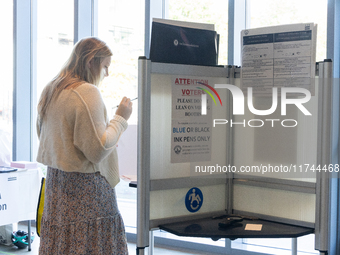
(161, 118)
(291, 148)
(171, 203)
(292, 151)
(277, 203)
(168, 202)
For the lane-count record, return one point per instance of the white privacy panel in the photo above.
(274, 202)
(161, 129)
(292, 151)
(171, 203)
(277, 143)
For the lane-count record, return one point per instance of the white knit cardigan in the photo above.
(76, 135)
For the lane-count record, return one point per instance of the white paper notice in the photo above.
(279, 56)
(253, 227)
(190, 131)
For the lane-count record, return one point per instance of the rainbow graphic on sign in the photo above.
(209, 93)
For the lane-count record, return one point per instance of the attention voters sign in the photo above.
(191, 132)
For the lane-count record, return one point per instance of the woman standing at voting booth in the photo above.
(78, 144)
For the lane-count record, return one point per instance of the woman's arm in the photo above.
(92, 134)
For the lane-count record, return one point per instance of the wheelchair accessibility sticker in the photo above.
(194, 200)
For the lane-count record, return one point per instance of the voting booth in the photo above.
(210, 149)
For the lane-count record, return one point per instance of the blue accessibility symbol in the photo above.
(194, 199)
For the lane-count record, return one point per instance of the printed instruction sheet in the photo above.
(278, 56)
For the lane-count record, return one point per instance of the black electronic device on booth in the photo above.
(183, 45)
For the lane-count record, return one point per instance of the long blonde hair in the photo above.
(76, 71)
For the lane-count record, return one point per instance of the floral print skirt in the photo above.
(80, 216)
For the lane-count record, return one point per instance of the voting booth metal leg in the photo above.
(227, 244)
(151, 242)
(143, 155)
(294, 246)
(324, 152)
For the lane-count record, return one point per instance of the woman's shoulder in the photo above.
(88, 94)
(87, 88)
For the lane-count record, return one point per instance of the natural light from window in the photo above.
(6, 85)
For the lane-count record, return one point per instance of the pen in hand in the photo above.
(130, 101)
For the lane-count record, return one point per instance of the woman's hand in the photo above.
(125, 108)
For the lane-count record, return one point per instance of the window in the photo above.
(121, 26)
(6, 85)
(55, 38)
